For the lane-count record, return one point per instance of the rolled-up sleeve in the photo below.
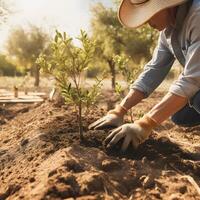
(188, 82)
(156, 70)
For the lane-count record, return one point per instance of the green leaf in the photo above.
(65, 35)
(56, 38)
(69, 87)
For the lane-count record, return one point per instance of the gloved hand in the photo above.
(134, 133)
(114, 118)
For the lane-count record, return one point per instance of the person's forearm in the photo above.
(169, 105)
(132, 98)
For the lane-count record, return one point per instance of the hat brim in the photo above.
(133, 16)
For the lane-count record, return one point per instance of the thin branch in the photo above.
(193, 182)
(189, 178)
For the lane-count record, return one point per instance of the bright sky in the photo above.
(65, 15)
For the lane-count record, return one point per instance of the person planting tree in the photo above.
(177, 21)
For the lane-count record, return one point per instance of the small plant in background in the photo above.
(67, 64)
(121, 62)
(128, 73)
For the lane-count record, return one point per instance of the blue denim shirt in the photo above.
(163, 58)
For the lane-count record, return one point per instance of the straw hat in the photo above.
(134, 13)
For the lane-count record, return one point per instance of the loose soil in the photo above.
(41, 157)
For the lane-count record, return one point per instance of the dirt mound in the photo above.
(8, 112)
(41, 157)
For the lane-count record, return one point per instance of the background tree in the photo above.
(113, 39)
(7, 68)
(25, 46)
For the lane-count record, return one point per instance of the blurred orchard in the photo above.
(24, 45)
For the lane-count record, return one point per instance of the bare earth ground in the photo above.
(41, 158)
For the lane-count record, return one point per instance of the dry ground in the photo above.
(41, 157)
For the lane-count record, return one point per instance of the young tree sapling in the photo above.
(67, 63)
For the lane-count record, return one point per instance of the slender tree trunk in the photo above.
(113, 73)
(80, 121)
(37, 76)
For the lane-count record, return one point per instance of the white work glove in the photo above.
(114, 118)
(134, 134)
